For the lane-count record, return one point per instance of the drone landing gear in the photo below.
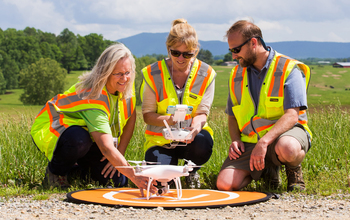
(150, 179)
(178, 187)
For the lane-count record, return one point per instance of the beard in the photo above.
(249, 61)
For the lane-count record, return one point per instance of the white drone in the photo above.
(177, 133)
(162, 174)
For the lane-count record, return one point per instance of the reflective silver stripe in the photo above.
(55, 117)
(257, 123)
(157, 77)
(128, 107)
(156, 129)
(74, 98)
(248, 129)
(202, 73)
(303, 117)
(238, 84)
(278, 74)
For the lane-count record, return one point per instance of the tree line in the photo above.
(21, 48)
(38, 61)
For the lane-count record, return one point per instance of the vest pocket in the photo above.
(274, 107)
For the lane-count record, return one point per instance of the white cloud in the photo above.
(314, 20)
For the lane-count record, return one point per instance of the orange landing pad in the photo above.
(191, 198)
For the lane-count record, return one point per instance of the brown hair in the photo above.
(246, 28)
(182, 32)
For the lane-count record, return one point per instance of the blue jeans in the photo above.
(77, 154)
(199, 151)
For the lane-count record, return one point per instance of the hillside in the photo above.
(154, 43)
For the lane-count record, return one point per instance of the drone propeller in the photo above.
(190, 163)
(143, 162)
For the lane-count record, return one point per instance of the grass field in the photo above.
(326, 166)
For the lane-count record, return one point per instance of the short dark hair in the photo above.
(246, 28)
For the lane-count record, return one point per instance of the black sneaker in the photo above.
(295, 179)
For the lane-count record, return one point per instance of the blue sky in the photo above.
(296, 20)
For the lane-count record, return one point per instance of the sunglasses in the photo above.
(238, 49)
(186, 55)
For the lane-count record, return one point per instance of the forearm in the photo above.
(285, 123)
(233, 129)
(152, 118)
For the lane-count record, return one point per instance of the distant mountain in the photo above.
(154, 43)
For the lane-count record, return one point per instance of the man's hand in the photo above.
(236, 149)
(257, 158)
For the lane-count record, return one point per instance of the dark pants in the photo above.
(77, 153)
(199, 151)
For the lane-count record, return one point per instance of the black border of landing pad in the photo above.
(80, 201)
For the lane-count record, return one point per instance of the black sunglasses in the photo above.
(238, 48)
(177, 53)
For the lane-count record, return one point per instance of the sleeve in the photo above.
(295, 90)
(207, 100)
(149, 103)
(96, 120)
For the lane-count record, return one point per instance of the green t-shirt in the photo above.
(97, 120)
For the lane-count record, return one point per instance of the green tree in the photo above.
(68, 44)
(93, 45)
(41, 81)
(206, 56)
(2, 84)
(10, 70)
(228, 57)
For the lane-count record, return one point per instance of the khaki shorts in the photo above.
(298, 132)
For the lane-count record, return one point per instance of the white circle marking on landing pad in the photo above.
(174, 200)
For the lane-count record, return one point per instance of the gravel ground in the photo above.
(287, 206)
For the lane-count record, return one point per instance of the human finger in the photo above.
(105, 168)
(109, 170)
(114, 170)
(103, 158)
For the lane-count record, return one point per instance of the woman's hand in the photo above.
(108, 169)
(142, 183)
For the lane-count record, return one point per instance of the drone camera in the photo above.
(162, 191)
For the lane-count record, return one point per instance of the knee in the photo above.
(226, 184)
(288, 151)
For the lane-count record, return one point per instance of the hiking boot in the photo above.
(295, 179)
(271, 176)
(55, 180)
(192, 180)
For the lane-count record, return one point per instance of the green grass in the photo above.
(326, 166)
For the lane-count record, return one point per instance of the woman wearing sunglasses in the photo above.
(179, 79)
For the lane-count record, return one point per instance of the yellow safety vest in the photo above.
(157, 77)
(51, 121)
(253, 123)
